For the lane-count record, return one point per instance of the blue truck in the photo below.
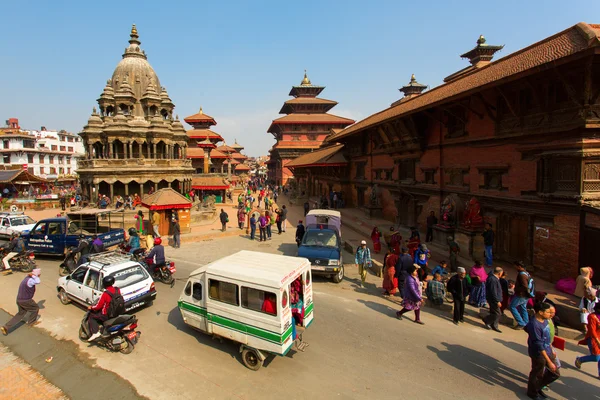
(53, 236)
(322, 243)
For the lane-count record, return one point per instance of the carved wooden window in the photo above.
(492, 179)
(429, 176)
(564, 176)
(377, 174)
(407, 170)
(360, 170)
(312, 137)
(296, 138)
(591, 177)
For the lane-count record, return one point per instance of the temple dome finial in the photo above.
(201, 112)
(305, 81)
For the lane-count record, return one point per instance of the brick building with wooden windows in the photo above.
(513, 142)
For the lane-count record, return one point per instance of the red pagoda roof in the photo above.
(288, 105)
(203, 133)
(238, 156)
(195, 152)
(217, 154)
(242, 167)
(199, 118)
(224, 148)
(209, 183)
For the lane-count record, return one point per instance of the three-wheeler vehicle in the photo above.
(262, 301)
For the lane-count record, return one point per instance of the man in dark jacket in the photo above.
(299, 233)
(458, 287)
(224, 219)
(176, 233)
(493, 291)
(431, 221)
(405, 261)
(306, 208)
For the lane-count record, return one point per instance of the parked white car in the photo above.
(84, 285)
(15, 222)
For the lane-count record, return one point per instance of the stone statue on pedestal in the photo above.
(472, 218)
(374, 195)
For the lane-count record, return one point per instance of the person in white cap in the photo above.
(25, 302)
(363, 260)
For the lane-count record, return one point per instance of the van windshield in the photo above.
(320, 237)
(129, 276)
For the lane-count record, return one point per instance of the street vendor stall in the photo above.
(167, 202)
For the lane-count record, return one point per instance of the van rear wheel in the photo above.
(251, 360)
(337, 278)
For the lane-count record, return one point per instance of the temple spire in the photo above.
(134, 37)
(305, 81)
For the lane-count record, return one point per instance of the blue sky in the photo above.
(239, 59)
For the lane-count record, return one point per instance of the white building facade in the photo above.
(47, 154)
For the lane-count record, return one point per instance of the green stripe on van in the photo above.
(309, 309)
(260, 333)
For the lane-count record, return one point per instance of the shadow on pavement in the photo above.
(382, 308)
(288, 249)
(481, 366)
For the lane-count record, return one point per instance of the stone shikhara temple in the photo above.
(133, 142)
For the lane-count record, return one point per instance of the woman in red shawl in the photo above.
(395, 241)
(592, 340)
(390, 282)
(376, 238)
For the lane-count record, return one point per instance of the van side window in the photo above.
(188, 289)
(224, 291)
(197, 292)
(259, 300)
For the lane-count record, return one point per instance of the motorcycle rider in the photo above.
(97, 245)
(134, 240)
(83, 249)
(15, 247)
(157, 254)
(99, 312)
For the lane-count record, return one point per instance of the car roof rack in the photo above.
(109, 257)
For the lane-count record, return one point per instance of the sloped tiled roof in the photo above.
(242, 167)
(316, 118)
(573, 40)
(291, 144)
(208, 182)
(326, 156)
(200, 117)
(165, 198)
(203, 133)
(195, 152)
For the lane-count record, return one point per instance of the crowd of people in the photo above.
(405, 272)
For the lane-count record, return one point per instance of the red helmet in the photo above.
(157, 241)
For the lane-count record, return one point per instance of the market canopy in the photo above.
(19, 177)
(166, 199)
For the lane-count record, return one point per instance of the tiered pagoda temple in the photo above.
(134, 143)
(215, 165)
(303, 129)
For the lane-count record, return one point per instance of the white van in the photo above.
(257, 299)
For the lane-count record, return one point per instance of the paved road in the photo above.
(358, 350)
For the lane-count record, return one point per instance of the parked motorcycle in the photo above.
(118, 334)
(24, 262)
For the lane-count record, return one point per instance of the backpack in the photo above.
(116, 306)
(530, 285)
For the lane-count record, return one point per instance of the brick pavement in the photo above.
(21, 381)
